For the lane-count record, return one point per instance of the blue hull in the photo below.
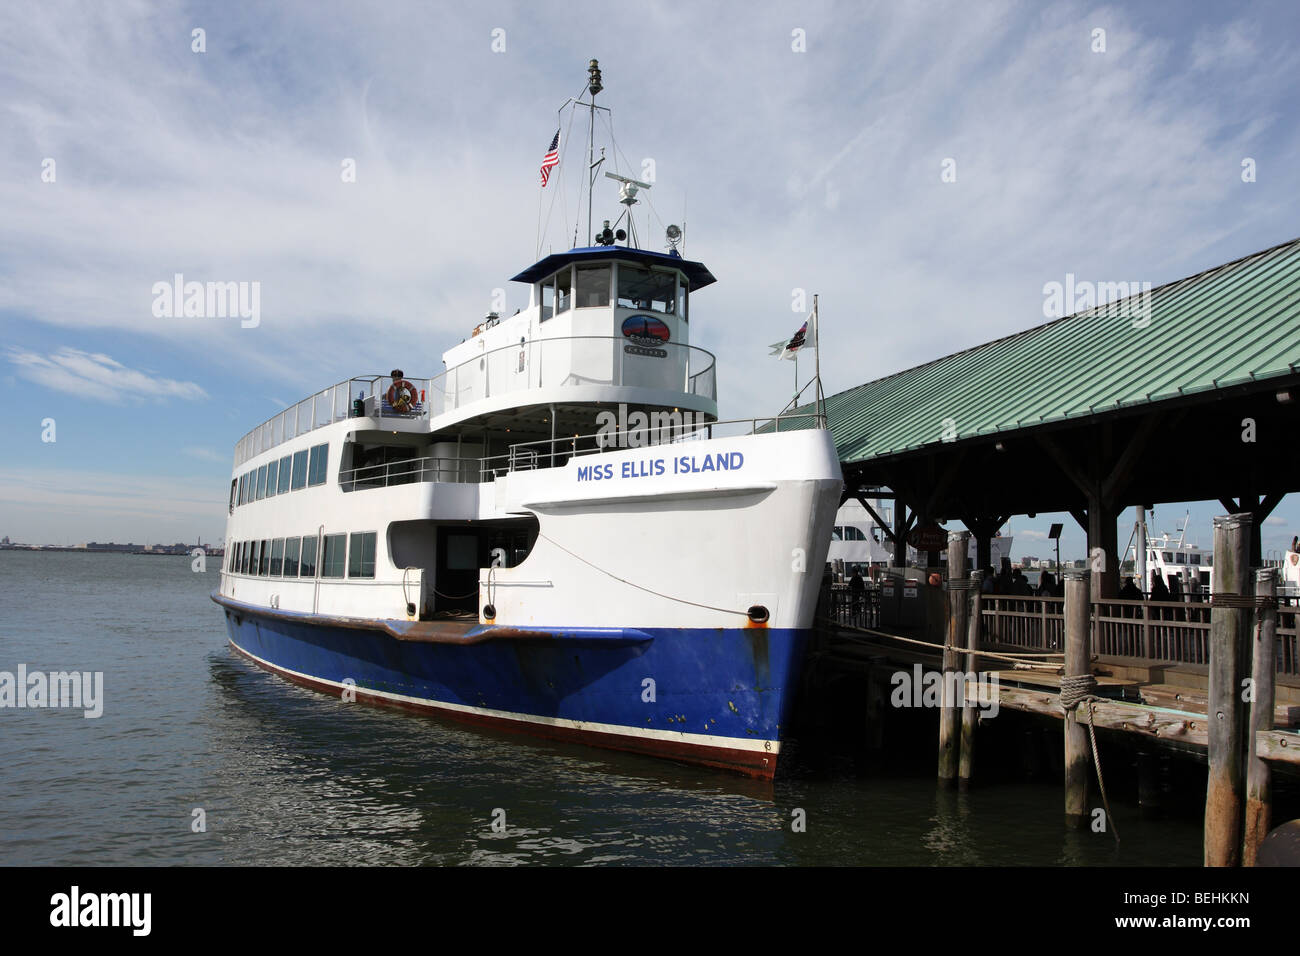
(712, 696)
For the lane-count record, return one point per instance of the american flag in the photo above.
(551, 159)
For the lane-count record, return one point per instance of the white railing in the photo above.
(556, 452)
(540, 363)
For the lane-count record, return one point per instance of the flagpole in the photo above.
(817, 354)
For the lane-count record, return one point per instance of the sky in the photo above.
(924, 168)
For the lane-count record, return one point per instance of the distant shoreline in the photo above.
(219, 552)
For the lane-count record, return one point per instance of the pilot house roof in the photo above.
(696, 272)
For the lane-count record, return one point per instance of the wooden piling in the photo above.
(955, 637)
(969, 715)
(1259, 785)
(1078, 610)
(1229, 641)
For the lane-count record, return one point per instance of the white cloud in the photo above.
(98, 375)
(207, 454)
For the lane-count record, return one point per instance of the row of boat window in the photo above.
(588, 287)
(1181, 559)
(296, 557)
(302, 469)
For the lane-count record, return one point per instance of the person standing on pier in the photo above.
(857, 591)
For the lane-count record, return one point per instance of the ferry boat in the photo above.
(1184, 567)
(556, 535)
(860, 543)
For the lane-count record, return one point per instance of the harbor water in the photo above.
(201, 758)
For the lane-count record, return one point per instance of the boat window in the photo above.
(318, 466)
(272, 477)
(277, 557)
(1196, 559)
(261, 483)
(243, 489)
(640, 288)
(334, 558)
(299, 470)
(837, 534)
(563, 290)
(252, 558)
(232, 549)
(593, 287)
(548, 299)
(307, 568)
(291, 546)
(234, 486)
(1169, 558)
(361, 555)
(243, 558)
(682, 288)
(284, 474)
(264, 561)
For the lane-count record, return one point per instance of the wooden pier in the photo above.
(1218, 680)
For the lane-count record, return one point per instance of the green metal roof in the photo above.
(1233, 324)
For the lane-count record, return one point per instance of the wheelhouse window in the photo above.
(299, 470)
(361, 555)
(277, 557)
(283, 486)
(292, 548)
(548, 299)
(651, 291)
(592, 286)
(563, 290)
(272, 477)
(318, 466)
(264, 562)
(335, 556)
(683, 287)
(307, 567)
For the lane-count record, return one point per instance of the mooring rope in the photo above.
(1078, 689)
(640, 587)
(1019, 661)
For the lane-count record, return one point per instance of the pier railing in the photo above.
(1157, 631)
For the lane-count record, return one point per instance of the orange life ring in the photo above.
(401, 395)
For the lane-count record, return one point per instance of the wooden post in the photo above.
(876, 698)
(1259, 785)
(1229, 636)
(969, 716)
(1076, 665)
(1150, 798)
(950, 714)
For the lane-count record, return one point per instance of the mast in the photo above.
(594, 86)
(1140, 555)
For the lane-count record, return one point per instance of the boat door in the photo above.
(457, 574)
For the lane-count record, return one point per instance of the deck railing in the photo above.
(540, 363)
(554, 453)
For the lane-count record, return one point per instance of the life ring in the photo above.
(401, 395)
